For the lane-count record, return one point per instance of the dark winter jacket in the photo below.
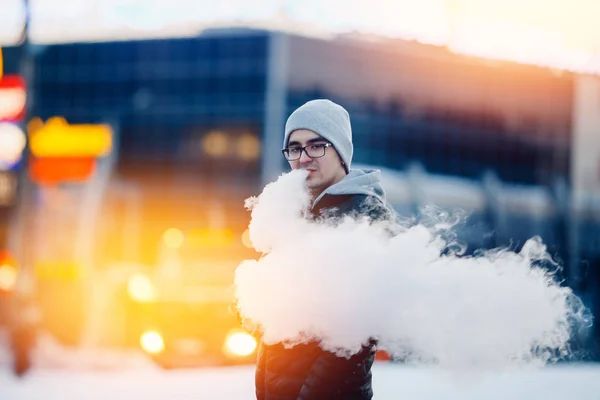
(307, 372)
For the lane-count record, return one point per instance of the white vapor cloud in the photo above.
(347, 282)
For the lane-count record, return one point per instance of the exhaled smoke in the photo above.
(343, 284)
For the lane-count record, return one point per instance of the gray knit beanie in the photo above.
(327, 119)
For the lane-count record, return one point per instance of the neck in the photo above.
(316, 192)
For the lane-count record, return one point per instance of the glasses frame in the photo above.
(303, 150)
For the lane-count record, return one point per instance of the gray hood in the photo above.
(357, 181)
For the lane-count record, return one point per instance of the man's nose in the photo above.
(304, 158)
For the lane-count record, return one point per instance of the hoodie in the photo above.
(357, 181)
(358, 184)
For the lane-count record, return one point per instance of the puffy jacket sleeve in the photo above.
(322, 377)
(259, 378)
(330, 373)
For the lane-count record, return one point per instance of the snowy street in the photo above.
(390, 381)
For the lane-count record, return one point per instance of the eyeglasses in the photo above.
(312, 150)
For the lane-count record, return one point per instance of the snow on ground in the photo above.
(75, 374)
(229, 383)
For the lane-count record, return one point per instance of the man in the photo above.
(318, 138)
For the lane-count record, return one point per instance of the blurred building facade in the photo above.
(200, 120)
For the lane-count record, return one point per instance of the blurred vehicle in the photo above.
(181, 313)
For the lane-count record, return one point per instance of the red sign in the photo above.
(13, 98)
(55, 170)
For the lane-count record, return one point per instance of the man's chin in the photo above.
(312, 182)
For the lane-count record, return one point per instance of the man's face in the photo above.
(324, 171)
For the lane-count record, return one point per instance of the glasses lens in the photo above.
(316, 150)
(293, 153)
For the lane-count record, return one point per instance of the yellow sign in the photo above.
(67, 271)
(211, 237)
(57, 138)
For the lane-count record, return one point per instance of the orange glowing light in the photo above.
(215, 144)
(173, 238)
(239, 343)
(8, 276)
(8, 271)
(248, 147)
(152, 342)
(141, 288)
(246, 239)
